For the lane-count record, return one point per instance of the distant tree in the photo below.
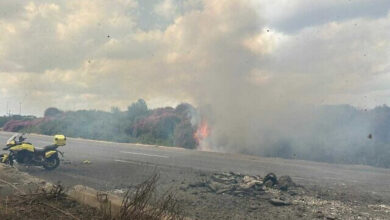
(184, 135)
(52, 112)
(115, 110)
(137, 109)
(185, 110)
(165, 125)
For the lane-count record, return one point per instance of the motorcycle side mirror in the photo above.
(21, 138)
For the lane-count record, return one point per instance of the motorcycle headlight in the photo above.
(10, 143)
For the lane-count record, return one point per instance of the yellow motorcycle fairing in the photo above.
(5, 158)
(20, 147)
(50, 153)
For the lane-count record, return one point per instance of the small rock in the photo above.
(271, 177)
(268, 183)
(247, 179)
(238, 193)
(278, 202)
(292, 192)
(214, 186)
(223, 190)
(118, 191)
(227, 174)
(221, 179)
(319, 214)
(253, 207)
(235, 174)
(87, 162)
(251, 185)
(285, 182)
(198, 184)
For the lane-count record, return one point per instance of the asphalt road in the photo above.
(115, 166)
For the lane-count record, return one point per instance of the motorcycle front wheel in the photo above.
(51, 163)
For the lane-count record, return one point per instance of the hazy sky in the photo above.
(78, 54)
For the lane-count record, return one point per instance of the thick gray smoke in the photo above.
(264, 93)
(246, 105)
(234, 96)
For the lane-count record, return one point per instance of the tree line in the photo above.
(138, 124)
(334, 134)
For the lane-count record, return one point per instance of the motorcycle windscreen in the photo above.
(12, 139)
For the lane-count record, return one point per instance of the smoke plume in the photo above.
(257, 71)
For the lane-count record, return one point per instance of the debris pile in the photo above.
(244, 185)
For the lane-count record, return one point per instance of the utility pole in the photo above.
(6, 110)
(20, 108)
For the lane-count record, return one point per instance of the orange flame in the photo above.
(203, 132)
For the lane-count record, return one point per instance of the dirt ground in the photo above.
(26, 197)
(45, 207)
(207, 196)
(302, 202)
(200, 199)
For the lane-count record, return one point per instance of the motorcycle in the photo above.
(25, 153)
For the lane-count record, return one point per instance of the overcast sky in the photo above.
(78, 54)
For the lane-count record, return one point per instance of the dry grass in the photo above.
(44, 204)
(144, 204)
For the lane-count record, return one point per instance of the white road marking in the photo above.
(132, 162)
(125, 161)
(150, 155)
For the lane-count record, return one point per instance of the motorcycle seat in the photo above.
(45, 149)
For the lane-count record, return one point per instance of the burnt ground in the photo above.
(298, 202)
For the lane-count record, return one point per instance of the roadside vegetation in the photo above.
(334, 134)
(142, 203)
(138, 124)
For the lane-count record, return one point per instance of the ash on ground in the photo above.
(277, 190)
(238, 196)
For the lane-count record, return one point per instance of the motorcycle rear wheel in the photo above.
(51, 163)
